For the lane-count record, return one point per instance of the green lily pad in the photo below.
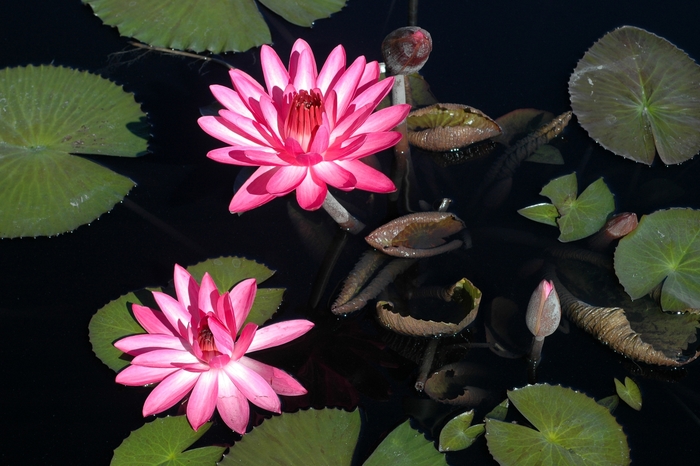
(115, 320)
(541, 213)
(163, 441)
(458, 433)
(636, 94)
(629, 393)
(500, 412)
(312, 438)
(666, 246)
(571, 428)
(49, 113)
(405, 446)
(580, 216)
(609, 402)
(221, 26)
(546, 154)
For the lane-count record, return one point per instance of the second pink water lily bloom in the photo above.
(191, 348)
(307, 130)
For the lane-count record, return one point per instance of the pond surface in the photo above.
(60, 403)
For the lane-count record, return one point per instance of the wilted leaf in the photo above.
(629, 393)
(636, 93)
(442, 127)
(451, 385)
(571, 428)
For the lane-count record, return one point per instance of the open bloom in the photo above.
(307, 130)
(191, 346)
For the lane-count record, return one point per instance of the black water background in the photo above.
(60, 404)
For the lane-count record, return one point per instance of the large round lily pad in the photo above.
(636, 94)
(49, 113)
(665, 246)
(569, 428)
(220, 26)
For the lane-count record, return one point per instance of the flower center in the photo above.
(304, 116)
(206, 339)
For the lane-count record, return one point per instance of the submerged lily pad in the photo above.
(221, 26)
(164, 441)
(569, 428)
(49, 113)
(636, 94)
(115, 320)
(666, 246)
(593, 299)
(578, 217)
(442, 127)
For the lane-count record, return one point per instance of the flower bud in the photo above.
(543, 310)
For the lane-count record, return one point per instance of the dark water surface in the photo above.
(60, 404)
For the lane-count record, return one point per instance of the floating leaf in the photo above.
(546, 154)
(405, 446)
(311, 437)
(579, 216)
(450, 385)
(115, 320)
(593, 299)
(571, 429)
(49, 113)
(463, 293)
(417, 235)
(609, 402)
(163, 441)
(458, 433)
(629, 393)
(222, 26)
(500, 412)
(519, 123)
(636, 93)
(442, 127)
(666, 246)
(542, 213)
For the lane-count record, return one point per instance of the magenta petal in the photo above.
(254, 387)
(147, 341)
(138, 376)
(332, 70)
(229, 131)
(347, 85)
(232, 404)
(244, 340)
(350, 123)
(202, 401)
(305, 77)
(224, 311)
(164, 358)
(248, 89)
(152, 321)
(275, 73)
(374, 142)
(176, 314)
(234, 156)
(281, 382)
(286, 179)
(368, 179)
(244, 199)
(384, 119)
(370, 75)
(373, 95)
(334, 175)
(222, 336)
(242, 296)
(321, 140)
(311, 193)
(186, 288)
(230, 99)
(171, 390)
(279, 334)
(208, 294)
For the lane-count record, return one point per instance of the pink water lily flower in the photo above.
(309, 129)
(191, 347)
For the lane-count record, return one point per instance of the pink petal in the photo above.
(335, 175)
(345, 149)
(271, 117)
(375, 142)
(147, 341)
(254, 387)
(250, 132)
(302, 66)
(246, 199)
(232, 404)
(202, 401)
(281, 382)
(164, 358)
(384, 119)
(230, 99)
(248, 89)
(321, 139)
(370, 75)
(244, 341)
(208, 294)
(330, 105)
(186, 288)
(311, 192)
(152, 321)
(138, 376)
(227, 131)
(176, 314)
(171, 390)
(279, 334)
(222, 336)
(275, 73)
(350, 123)
(224, 311)
(372, 95)
(242, 296)
(346, 86)
(242, 157)
(332, 70)
(368, 179)
(286, 179)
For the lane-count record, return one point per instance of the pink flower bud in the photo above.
(543, 310)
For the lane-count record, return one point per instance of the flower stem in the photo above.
(341, 216)
(402, 151)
